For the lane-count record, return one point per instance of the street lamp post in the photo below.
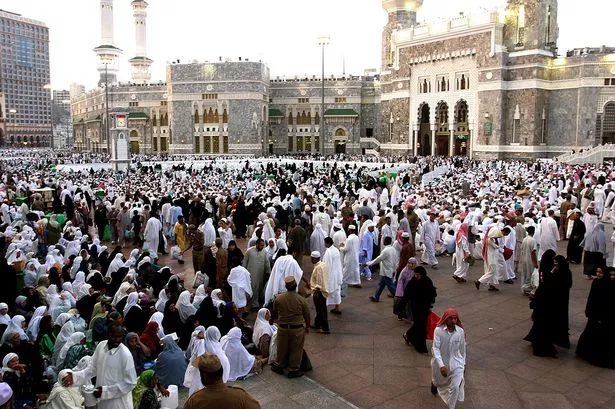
(323, 41)
(12, 111)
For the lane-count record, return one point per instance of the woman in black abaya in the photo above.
(595, 342)
(550, 305)
(421, 294)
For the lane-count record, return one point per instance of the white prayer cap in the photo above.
(352, 227)
(337, 225)
(405, 235)
(315, 254)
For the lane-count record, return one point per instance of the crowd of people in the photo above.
(98, 302)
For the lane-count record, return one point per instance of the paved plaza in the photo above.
(365, 363)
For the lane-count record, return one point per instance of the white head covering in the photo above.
(215, 298)
(33, 326)
(79, 281)
(67, 330)
(63, 393)
(15, 326)
(83, 291)
(158, 317)
(75, 267)
(262, 326)
(5, 362)
(162, 301)
(133, 301)
(74, 339)
(121, 292)
(184, 306)
(239, 279)
(115, 264)
(199, 296)
(240, 360)
(212, 345)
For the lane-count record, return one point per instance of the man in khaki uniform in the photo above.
(294, 323)
(217, 395)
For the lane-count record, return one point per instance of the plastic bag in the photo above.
(175, 253)
(432, 323)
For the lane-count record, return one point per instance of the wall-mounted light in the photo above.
(487, 115)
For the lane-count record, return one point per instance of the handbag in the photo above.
(508, 252)
(432, 323)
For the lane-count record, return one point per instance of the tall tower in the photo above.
(107, 53)
(402, 14)
(531, 25)
(140, 63)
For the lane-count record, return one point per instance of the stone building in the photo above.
(491, 85)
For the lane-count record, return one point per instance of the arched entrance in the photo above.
(608, 123)
(442, 132)
(462, 129)
(424, 137)
(340, 141)
(134, 142)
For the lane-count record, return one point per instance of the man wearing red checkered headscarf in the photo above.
(449, 359)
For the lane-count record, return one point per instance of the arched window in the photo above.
(317, 119)
(290, 119)
(340, 132)
(154, 120)
(216, 116)
(224, 116)
(197, 119)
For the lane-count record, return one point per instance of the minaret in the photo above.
(107, 53)
(140, 63)
(402, 14)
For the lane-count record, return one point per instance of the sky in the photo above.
(282, 33)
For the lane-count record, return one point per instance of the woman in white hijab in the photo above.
(115, 264)
(75, 267)
(79, 281)
(17, 326)
(62, 338)
(33, 325)
(185, 307)
(209, 233)
(212, 344)
(270, 250)
(64, 395)
(74, 339)
(67, 290)
(158, 317)
(132, 301)
(192, 377)
(83, 291)
(5, 318)
(162, 300)
(240, 360)
(58, 303)
(263, 328)
(240, 281)
(52, 294)
(199, 296)
(215, 298)
(317, 239)
(121, 292)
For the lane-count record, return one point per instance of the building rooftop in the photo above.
(20, 18)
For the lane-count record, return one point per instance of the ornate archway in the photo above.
(339, 139)
(607, 127)
(424, 137)
(442, 131)
(462, 128)
(134, 142)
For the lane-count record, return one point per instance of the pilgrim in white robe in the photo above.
(284, 266)
(430, 234)
(333, 261)
(152, 235)
(449, 350)
(351, 274)
(115, 371)
(548, 235)
(510, 241)
(241, 284)
(317, 240)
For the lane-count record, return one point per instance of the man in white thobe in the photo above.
(548, 235)
(151, 235)
(351, 259)
(449, 359)
(430, 234)
(333, 261)
(113, 366)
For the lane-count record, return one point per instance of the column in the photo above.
(415, 135)
(451, 143)
(433, 139)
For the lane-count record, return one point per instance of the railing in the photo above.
(590, 154)
(371, 140)
(372, 152)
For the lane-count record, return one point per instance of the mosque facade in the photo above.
(489, 85)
